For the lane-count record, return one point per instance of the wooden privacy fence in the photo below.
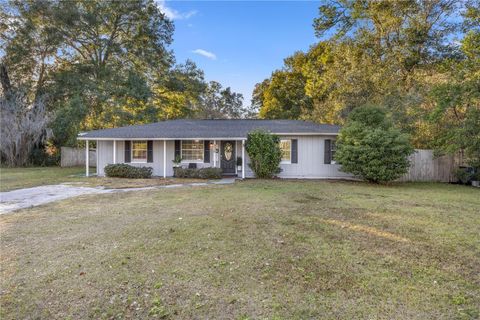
(424, 166)
(72, 157)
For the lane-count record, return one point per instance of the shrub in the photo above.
(465, 175)
(127, 171)
(462, 175)
(264, 151)
(371, 148)
(203, 173)
(44, 158)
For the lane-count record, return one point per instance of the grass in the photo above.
(253, 250)
(17, 178)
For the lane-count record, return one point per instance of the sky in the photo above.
(240, 43)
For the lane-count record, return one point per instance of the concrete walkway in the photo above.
(31, 197)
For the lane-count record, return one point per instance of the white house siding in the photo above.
(105, 156)
(310, 159)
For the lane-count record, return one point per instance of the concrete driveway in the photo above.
(31, 197)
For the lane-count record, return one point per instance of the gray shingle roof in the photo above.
(182, 129)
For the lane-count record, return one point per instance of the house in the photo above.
(307, 147)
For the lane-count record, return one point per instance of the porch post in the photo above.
(164, 159)
(114, 151)
(87, 160)
(214, 153)
(243, 159)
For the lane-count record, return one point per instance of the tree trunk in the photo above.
(5, 79)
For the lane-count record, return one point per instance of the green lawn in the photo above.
(18, 178)
(253, 250)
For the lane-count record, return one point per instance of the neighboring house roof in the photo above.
(184, 129)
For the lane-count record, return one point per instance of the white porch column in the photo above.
(164, 159)
(114, 151)
(243, 159)
(214, 153)
(87, 159)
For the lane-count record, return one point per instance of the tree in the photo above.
(115, 51)
(263, 149)
(391, 51)
(219, 103)
(23, 122)
(283, 96)
(100, 64)
(455, 118)
(379, 52)
(406, 33)
(180, 94)
(371, 148)
(93, 62)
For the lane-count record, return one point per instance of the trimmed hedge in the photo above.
(127, 171)
(203, 173)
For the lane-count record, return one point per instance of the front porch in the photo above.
(164, 154)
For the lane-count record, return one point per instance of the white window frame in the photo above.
(143, 160)
(333, 149)
(290, 144)
(202, 142)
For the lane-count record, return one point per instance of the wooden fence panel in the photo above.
(72, 157)
(424, 166)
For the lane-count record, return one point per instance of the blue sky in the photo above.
(240, 43)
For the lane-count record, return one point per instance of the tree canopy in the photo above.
(99, 64)
(417, 58)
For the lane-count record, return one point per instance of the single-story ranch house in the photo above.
(307, 147)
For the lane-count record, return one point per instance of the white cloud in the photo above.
(206, 54)
(174, 14)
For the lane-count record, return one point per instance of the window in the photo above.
(192, 150)
(286, 148)
(139, 151)
(333, 148)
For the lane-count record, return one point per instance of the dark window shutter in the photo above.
(177, 149)
(328, 151)
(149, 151)
(128, 151)
(206, 151)
(294, 151)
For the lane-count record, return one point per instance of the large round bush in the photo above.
(371, 148)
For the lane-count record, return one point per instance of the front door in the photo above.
(227, 157)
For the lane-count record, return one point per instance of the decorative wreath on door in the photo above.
(228, 151)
